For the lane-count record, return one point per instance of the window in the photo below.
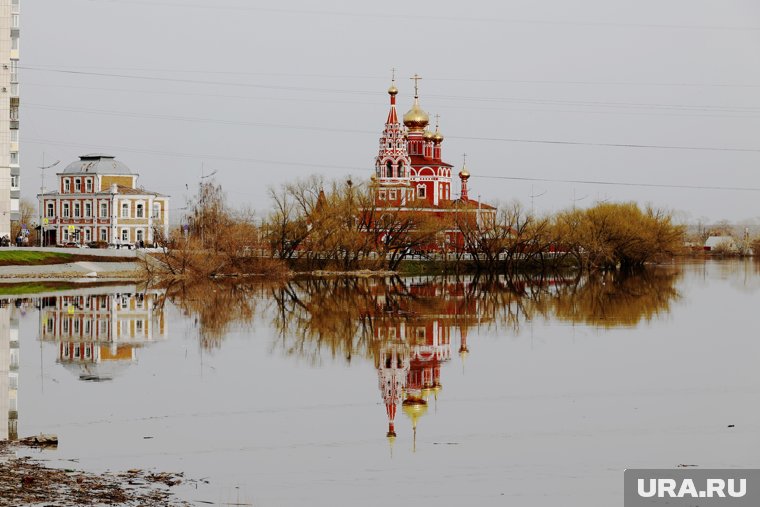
(14, 158)
(125, 234)
(421, 191)
(66, 210)
(14, 136)
(77, 185)
(103, 234)
(77, 209)
(388, 169)
(87, 235)
(14, 181)
(401, 169)
(156, 210)
(14, 40)
(103, 209)
(88, 209)
(66, 186)
(139, 236)
(88, 184)
(139, 326)
(50, 209)
(392, 195)
(65, 235)
(382, 195)
(140, 211)
(125, 210)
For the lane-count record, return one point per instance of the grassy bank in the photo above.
(37, 258)
(31, 288)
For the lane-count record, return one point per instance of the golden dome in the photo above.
(392, 90)
(437, 137)
(464, 173)
(416, 119)
(428, 136)
(414, 411)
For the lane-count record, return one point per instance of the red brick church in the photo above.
(410, 172)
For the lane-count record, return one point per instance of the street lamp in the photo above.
(42, 196)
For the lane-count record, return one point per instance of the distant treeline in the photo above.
(337, 226)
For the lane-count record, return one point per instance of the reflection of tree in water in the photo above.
(614, 299)
(215, 307)
(347, 316)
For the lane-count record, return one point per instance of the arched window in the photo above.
(401, 169)
(389, 169)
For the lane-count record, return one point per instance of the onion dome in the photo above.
(464, 173)
(437, 136)
(416, 119)
(414, 411)
(393, 90)
(427, 135)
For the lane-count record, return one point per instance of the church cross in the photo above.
(416, 80)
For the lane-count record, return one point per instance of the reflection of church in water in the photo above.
(414, 341)
(99, 335)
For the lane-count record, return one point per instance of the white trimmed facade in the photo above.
(97, 199)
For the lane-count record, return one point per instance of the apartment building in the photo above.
(10, 171)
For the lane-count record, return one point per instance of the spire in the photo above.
(464, 175)
(393, 91)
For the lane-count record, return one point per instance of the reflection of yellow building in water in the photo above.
(9, 362)
(414, 336)
(98, 335)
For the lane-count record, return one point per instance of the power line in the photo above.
(457, 105)
(430, 16)
(197, 156)
(198, 81)
(620, 183)
(376, 77)
(455, 98)
(369, 169)
(365, 132)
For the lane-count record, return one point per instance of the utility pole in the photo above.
(532, 196)
(578, 199)
(42, 196)
(202, 198)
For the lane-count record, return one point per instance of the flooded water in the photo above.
(423, 391)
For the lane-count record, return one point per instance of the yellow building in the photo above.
(97, 199)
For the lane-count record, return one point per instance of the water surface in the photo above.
(425, 391)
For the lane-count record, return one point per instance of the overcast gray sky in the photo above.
(266, 92)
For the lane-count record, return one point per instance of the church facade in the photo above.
(411, 174)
